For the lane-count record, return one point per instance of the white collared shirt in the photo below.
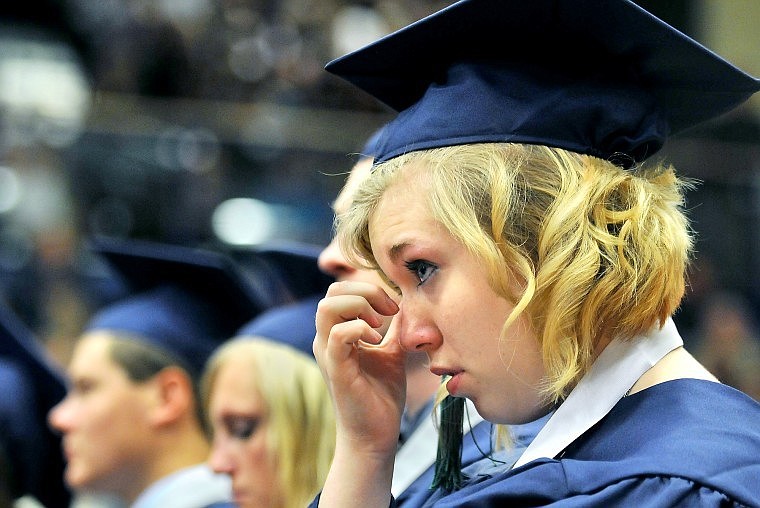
(611, 376)
(193, 487)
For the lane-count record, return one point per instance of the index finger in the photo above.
(378, 299)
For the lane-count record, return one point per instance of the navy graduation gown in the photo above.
(680, 443)
(475, 444)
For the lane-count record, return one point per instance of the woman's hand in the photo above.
(365, 374)
(364, 371)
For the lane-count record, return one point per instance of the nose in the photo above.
(59, 417)
(332, 262)
(220, 460)
(413, 330)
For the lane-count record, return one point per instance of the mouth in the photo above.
(238, 491)
(454, 378)
(239, 498)
(444, 372)
(68, 453)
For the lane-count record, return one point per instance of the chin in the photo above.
(75, 479)
(491, 416)
(501, 415)
(244, 502)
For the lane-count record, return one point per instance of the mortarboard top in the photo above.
(183, 300)
(291, 324)
(599, 77)
(31, 386)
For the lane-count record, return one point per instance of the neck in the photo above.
(677, 364)
(175, 449)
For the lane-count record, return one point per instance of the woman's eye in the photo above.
(241, 427)
(82, 386)
(421, 269)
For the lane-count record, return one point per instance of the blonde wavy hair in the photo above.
(598, 251)
(301, 430)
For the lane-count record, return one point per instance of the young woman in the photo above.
(272, 420)
(537, 258)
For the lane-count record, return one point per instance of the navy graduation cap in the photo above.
(369, 150)
(295, 263)
(183, 300)
(291, 324)
(598, 77)
(31, 385)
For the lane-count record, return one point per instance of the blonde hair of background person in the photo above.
(287, 407)
(549, 218)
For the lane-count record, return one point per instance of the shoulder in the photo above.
(699, 431)
(687, 441)
(192, 486)
(546, 488)
(677, 421)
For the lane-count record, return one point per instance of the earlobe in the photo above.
(174, 396)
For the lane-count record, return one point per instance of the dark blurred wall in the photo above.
(196, 103)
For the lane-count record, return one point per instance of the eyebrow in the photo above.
(395, 252)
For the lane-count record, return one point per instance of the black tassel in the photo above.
(448, 462)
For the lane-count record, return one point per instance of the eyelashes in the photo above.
(241, 427)
(421, 269)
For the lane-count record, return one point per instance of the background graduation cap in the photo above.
(294, 264)
(31, 386)
(599, 77)
(182, 299)
(292, 323)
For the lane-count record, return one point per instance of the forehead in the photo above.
(92, 351)
(235, 387)
(410, 184)
(92, 360)
(403, 218)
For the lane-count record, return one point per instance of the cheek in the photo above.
(257, 452)
(261, 470)
(106, 441)
(116, 423)
(475, 321)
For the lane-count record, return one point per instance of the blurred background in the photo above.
(212, 123)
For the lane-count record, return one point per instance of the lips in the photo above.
(240, 498)
(443, 371)
(452, 386)
(454, 375)
(68, 453)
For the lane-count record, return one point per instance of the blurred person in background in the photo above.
(271, 417)
(272, 422)
(421, 384)
(31, 462)
(132, 421)
(728, 341)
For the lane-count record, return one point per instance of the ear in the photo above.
(174, 396)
